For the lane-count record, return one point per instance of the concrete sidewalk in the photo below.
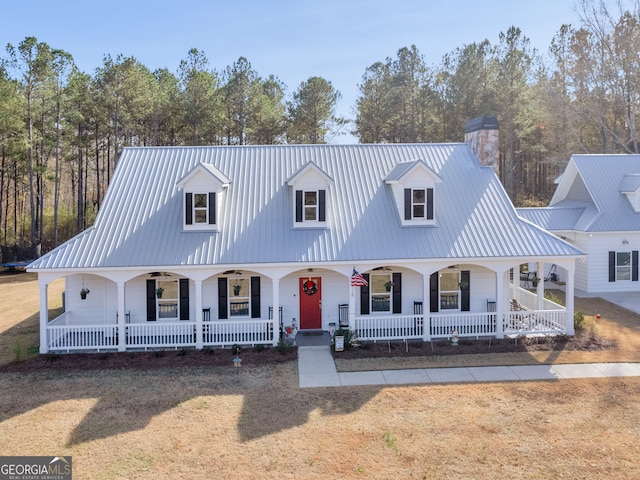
(316, 368)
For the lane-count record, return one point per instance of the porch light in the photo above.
(454, 338)
(237, 363)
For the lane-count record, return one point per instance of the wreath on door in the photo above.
(310, 287)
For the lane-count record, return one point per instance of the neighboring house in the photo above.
(230, 235)
(596, 207)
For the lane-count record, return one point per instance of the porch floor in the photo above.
(313, 338)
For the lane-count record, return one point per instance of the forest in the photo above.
(62, 130)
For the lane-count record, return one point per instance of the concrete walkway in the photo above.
(316, 368)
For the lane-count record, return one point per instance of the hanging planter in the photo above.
(159, 292)
(388, 285)
(83, 293)
(236, 290)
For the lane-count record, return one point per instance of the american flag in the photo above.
(358, 280)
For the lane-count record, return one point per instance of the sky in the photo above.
(291, 39)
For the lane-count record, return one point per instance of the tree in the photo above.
(312, 112)
(199, 98)
(240, 90)
(269, 122)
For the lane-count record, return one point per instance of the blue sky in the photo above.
(294, 40)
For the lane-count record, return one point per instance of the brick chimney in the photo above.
(482, 134)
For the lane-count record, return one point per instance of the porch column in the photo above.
(352, 306)
(44, 317)
(122, 332)
(426, 308)
(501, 305)
(569, 300)
(540, 286)
(199, 340)
(276, 311)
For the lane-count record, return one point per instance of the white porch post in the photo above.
(426, 308)
(569, 300)
(540, 286)
(122, 334)
(276, 311)
(352, 306)
(44, 317)
(199, 339)
(501, 304)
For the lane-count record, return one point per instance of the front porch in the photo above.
(68, 334)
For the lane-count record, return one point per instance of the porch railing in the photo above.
(467, 324)
(77, 337)
(161, 334)
(531, 322)
(391, 327)
(238, 332)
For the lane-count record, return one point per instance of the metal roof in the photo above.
(552, 219)
(596, 184)
(140, 223)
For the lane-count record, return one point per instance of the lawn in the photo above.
(204, 422)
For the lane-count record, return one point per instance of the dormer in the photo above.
(202, 192)
(309, 189)
(414, 185)
(630, 188)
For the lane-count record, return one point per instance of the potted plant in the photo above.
(535, 281)
(83, 293)
(159, 291)
(463, 285)
(236, 290)
(388, 285)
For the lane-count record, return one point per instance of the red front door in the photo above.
(310, 303)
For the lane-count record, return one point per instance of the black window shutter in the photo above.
(212, 208)
(407, 204)
(151, 300)
(612, 266)
(465, 290)
(397, 292)
(364, 296)
(184, 299)
(322, 194)
(429, 203)
(255, 297)
(434, 299)
(188, 208)
(222, 298)
(634, 266)
(298, 205)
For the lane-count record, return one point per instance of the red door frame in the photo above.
(310, 303)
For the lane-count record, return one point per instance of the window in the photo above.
(240, 297)
(310, 207)
(200, 207)
(449, 290)
(167, 298)
(381, 292)
(200, 210)
(623, 266)
(418, 204)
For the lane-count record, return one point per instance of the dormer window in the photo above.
(203, 189)
(310, 206)
(418, 204)
(413, 185)
(200, 208)
(310, 187)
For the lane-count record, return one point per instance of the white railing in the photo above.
(466, 324)
(161, 334)
(529, 322)
(238, 332)
(389, 328)
(78, 337)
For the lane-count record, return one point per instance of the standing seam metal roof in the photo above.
(140, 223)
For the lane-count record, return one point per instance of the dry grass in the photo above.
(204, 423)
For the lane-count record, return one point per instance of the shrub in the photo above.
(283, 347)
(578, 320)
(259, 348)
(17, 351)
